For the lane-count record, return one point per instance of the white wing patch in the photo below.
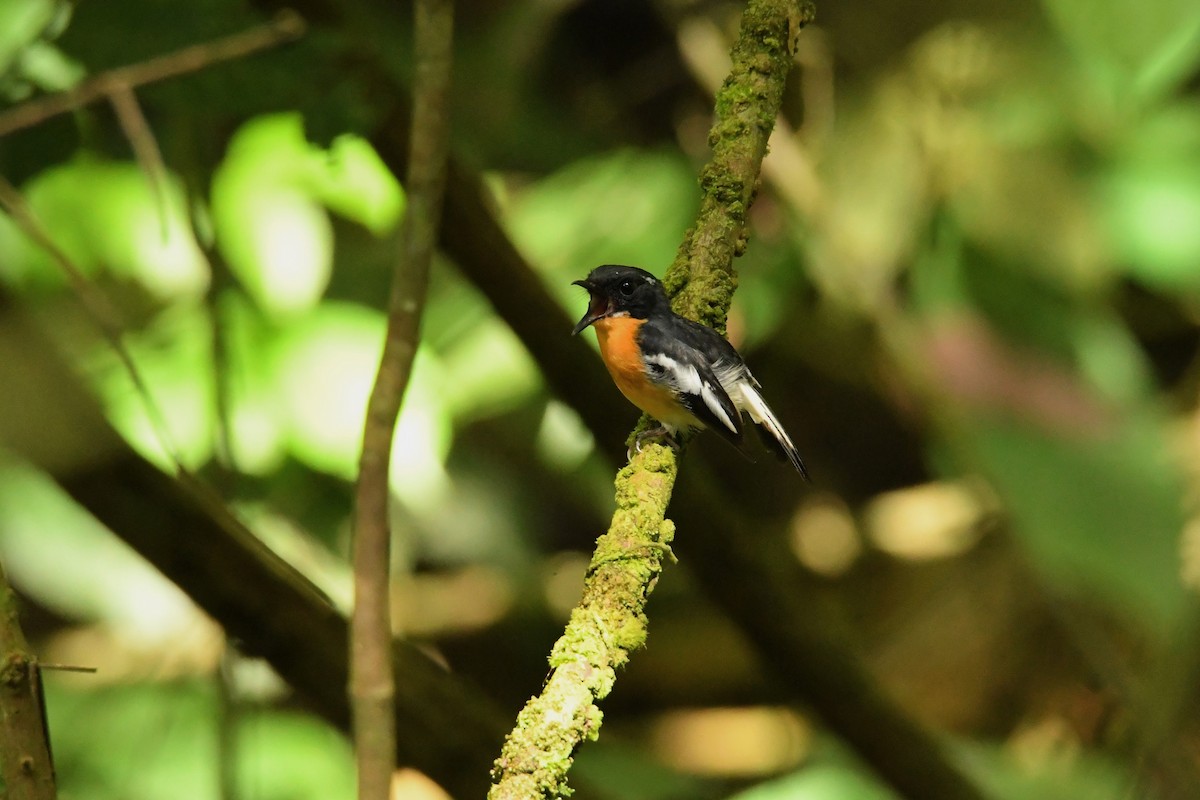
(685, 378)
(714, 405)
(747, 399)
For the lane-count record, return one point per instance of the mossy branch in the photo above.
(702, 278)
(610, 619)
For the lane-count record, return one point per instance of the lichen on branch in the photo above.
(701, 280)
(610, 619)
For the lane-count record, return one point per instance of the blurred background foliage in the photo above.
(971, 293)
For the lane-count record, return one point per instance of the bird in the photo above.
(683, 374)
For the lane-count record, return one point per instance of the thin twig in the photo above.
(24, 747)
(372, 683)
(145, 148)
(610, 620)
(285, 27)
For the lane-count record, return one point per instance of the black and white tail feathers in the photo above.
(746, 396)
(710, 380)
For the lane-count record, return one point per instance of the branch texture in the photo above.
(287, 26)
(610, 619)
(372, 682)
(24, 744)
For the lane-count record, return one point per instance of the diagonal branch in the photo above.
(48, 417)
(610, 619)
(285, 27)
(372, 683)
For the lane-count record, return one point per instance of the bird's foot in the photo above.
(660, 434)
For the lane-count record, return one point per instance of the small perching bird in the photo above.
(680, 372)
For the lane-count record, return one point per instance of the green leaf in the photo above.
(102, 581)
(166, 747)
(325, 365)
(174, 358)
(1006, 775)
(256, 432)
(21, 22)
(269, 197)
(625, 207)
(274, 235)
(493, 372)
(1153, 211)
(1144, 49)
(820, 782)
(290, 756)
(1100, 513)
(354, 182)
(109, 215)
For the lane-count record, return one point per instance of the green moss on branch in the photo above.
(610, 619)
(702, 279)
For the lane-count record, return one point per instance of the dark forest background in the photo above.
(971, 292)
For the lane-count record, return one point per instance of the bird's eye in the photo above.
(626, 288)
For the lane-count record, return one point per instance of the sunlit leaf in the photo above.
(49, 68)
(356, 183)
(563, 440)
(492, 371)
(109, 215)
(174, 358)
(102, 581)
(269, 197)
(256, 431)
(289, 756)
(325, 367)
(276, 238)
(820, 782)
(24, 55)
(1152, 210)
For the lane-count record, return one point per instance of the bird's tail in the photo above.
(770, 430)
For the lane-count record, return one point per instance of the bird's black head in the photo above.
(621, 291)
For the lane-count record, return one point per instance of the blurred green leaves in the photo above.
(1003, 188)
(1135, 52)
(820, 782)
(269, 201)
(27, 57)
(325, 365)
(1100, 513)
(1151, 198)
(163, 738)
(108, 215)
(623, 207)
(104, 582)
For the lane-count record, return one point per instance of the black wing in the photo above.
(678, 357)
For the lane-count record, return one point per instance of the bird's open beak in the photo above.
(597, 309)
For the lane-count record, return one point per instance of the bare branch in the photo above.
(24, 747)
(145, 147)
(372, 683)
(285, 27)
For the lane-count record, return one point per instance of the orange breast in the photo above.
(623, 357)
